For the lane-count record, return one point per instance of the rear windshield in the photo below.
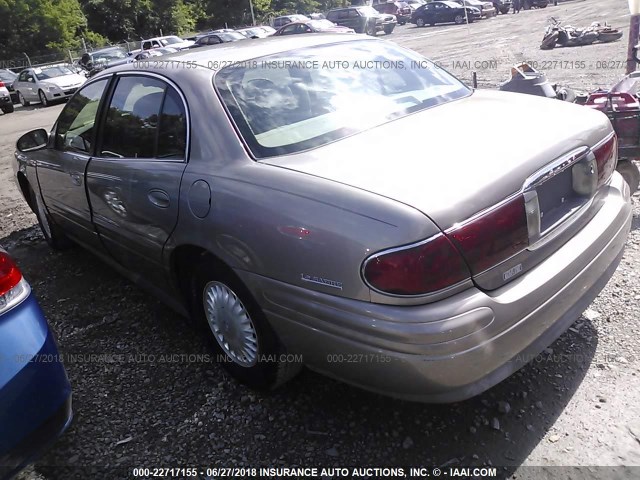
(51, 72)
(114, 54)
(297, 100)
(7, 76)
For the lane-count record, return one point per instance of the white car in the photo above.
(161, 42)
(47, 84)
(6, 105)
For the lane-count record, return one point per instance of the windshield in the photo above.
(231, 36)
(322, 24)
(170, 40)
(52, 72)
(370, 11)
(296, 100)
(109, 55)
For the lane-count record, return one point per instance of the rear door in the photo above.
(442, 13)
(133, 182)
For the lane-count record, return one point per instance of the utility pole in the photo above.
(253, 18)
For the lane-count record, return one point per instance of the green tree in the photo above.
(40, 27)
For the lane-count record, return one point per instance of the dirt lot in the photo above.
(577, 404)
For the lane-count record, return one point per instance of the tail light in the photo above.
(606, 154)
(1, 84)
(492, 236)
(429, 266)
(13, 288)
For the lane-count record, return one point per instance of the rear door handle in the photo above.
(159, 198)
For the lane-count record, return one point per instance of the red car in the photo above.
(313, 26)
(401, 10)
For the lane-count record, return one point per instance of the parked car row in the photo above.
(463, 11)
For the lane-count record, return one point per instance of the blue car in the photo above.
(35, 395)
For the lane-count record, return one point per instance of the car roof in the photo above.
(228, 53)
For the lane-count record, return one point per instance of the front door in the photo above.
(134, 180)
(61, 169)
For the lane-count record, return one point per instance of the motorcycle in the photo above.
(557, 34)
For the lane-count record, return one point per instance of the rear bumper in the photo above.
(35, 395)
(37, 441)
(489, 12)
(458, 347)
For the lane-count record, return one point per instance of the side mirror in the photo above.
(33, 140)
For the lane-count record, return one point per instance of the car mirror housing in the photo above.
(33, 140)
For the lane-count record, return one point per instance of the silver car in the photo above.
(47, 84)
(266, 198)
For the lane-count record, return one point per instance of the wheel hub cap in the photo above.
(231, 324)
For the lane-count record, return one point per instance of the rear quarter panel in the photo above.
(256, 208)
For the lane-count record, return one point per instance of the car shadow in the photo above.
(148, 392)
(635, 222)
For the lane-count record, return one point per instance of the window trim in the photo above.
(105, 110)
(97, 124)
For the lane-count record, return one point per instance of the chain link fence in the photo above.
(70, 56)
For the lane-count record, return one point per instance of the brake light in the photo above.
(1, 84)
(492, 236)
(10, 276)
(419, 269)
(606, 154)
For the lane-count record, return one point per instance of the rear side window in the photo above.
(172, 133)
(146, 119)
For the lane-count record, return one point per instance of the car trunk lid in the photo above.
(468, 158)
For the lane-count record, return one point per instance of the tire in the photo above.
(630, 173)
(370, 29)
(53, 235)
(8, 109)
(43, 99)
(22, 100)
(420, 22)
(229, 312)
(606, 37)
(549, 42)
(459, 19)
(388, 30)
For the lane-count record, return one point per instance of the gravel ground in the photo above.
(576, 404)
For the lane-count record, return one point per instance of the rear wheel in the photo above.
(239, 332)
(607, 37)
(22, 100)
(420, 22)
(53, 235)
(370, 29)
(43, 98)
